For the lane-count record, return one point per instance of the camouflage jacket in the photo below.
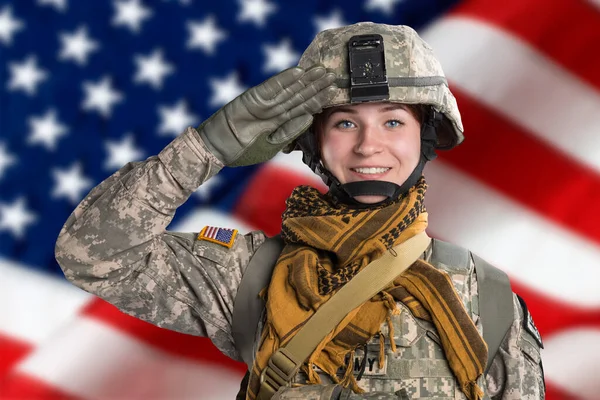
(116, 246)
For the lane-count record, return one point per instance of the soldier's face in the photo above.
(370, 141)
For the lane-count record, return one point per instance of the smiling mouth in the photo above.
(370, 171)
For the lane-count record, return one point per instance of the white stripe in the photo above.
(530, 248)
(525, 245)
(293, 162)
(595, 3)
(508, 75)
(572, 361)
(34, 305)
(98, 362)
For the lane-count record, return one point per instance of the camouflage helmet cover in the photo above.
(407, 57)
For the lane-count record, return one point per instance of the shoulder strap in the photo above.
(495, 305)
(248, 307)
(495, 293)
(449, 254)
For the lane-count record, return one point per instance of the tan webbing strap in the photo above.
(286, 361)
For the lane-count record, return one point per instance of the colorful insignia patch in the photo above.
(222, 236)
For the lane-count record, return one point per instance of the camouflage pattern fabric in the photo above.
(116, 246)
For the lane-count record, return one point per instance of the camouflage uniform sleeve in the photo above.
(115, 245)
(516, 371)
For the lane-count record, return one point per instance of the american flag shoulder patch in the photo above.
(222, 236)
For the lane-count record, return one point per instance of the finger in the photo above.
(315, 104)
(311, 75)
(308, 105)
(290, 130)
(277, 83)
(308, 92)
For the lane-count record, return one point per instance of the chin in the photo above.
(370, 199)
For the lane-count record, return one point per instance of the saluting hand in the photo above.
(257, 124)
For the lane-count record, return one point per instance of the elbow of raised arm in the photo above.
(67, 254)
(81, 266)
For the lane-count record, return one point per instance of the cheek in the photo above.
(332, 149)
(408, 151)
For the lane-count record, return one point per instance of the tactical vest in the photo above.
(418, 368)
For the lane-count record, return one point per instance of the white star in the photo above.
(280, 57)
(8, 25)
(26, 76)
(46, 130)
(100, 97)
(15, 217)
(131, 14)
(59, 5)
(385, 6)
(333, 21)
(205, 35)
(70, 183)
(120, 153)
(152, 69)
(256, 11)
(77, 46)
(6, 159)
(225, 90)
(175, 119)
(204, 192)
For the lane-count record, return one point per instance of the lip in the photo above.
(369, 176)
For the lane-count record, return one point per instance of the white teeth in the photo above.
(370, 170)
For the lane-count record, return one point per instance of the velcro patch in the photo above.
(529, 325)
(222, 236)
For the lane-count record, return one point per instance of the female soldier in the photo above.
(383, 106)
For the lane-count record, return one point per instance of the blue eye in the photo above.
(345, 124)
(393, 123)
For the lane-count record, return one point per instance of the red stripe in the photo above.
(174, 343)
(11, 351)
(551, 316)
(554, 393)
(18, 386)
(514, 162)
(565, 30)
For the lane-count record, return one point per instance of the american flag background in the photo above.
(86, 86)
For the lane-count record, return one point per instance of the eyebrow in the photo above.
(351, 110)
(393, 106)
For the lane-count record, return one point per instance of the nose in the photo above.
(368, 141)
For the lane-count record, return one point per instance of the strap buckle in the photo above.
(280, 370)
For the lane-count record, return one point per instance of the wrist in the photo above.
(189, 161)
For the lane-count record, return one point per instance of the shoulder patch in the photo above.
(222, 236)
(528, 323)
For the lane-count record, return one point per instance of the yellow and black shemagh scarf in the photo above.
(326, 246)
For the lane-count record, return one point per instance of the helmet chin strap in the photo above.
(347, 193)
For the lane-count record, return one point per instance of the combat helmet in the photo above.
(379, 62)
